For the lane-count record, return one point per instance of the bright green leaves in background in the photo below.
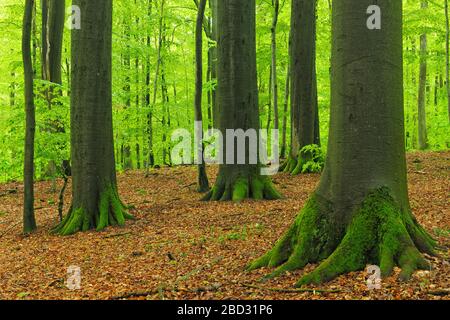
(135, 47)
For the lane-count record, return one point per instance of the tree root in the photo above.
(111, 212)
(380, 233)
(294, 166)
(290, 290)
(257, 188)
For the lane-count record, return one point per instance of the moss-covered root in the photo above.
(111, 212)
(288, 165)
(378, 235)
(310, 239)
(257, 188)
(294, 166)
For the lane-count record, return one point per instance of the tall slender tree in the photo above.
(304, 104)
(29, 222)
(150, 161)
(95, 199)
(360, 213)
(274, 73)
(285, 113)
(422, 102)
(212, 53)
(53, 14)
(238, 103)
(447, 56)
(203, 183)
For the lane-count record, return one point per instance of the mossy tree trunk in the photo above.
(95, 200)
(360, 213)
(237, 98)
(304, 104)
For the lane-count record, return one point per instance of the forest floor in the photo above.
(181, 248)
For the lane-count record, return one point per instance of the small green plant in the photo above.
(237, 234)
(441, 232)
(23, 295)
(315, 159)
(142, 192)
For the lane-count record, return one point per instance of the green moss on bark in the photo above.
(288, 165)
(111, 212)
(310, 239)
(380, 233)
(254, 187)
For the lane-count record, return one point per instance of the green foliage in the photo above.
(171, 91)
(315, 159)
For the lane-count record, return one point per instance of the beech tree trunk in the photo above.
(285, 113)
(304, 104)
(203, 183)
(360, 213)
(53, 14)
(237, 97)
(447, 55)
(274, 74)
(29, 222)
(150, 161)
(422, 114)
(95, 200)
(213, 61)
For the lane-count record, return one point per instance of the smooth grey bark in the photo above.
(422, 97)
(285, 113)
(203, 183)
(95, 200)
(137, 101)
(237, 98)
(304, 104)
(29, 222)
(213, 61)
(53, 14)
(34, 39)
(366, 147)
(274, 74)
(210, 29)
